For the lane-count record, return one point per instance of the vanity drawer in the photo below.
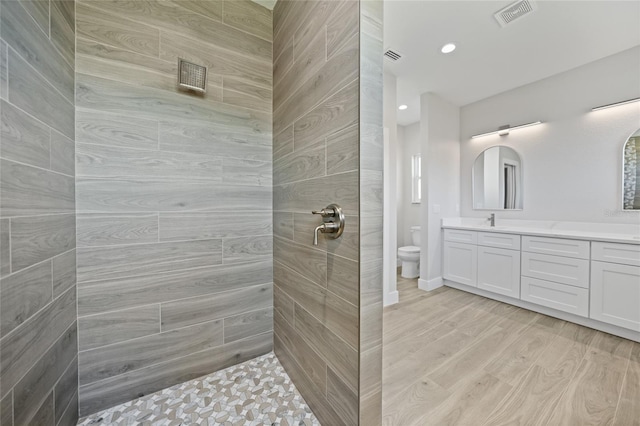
(493, 239)
(460, 236)
(626, 254)
(564, 270)
(556, 246)
(562, 297)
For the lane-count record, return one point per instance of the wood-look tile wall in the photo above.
(38, 328)
(327, 148)
(174, 194)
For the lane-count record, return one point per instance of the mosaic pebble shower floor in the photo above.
(255, 393)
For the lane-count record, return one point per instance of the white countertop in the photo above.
(608, 232)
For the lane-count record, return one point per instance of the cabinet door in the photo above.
(499, 271)
(461, 263)
(615, 294)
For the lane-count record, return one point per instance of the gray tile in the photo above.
(370, 238)
(63, 27)
(332, 311)
(248, 16)
(124, 293)
(248, 324)
(3, 70)
(39, 11)
(6, 410)
(348, 245)
(338, 112)
(30, 191)
(44, 414)
(243, 94)
(133, 384)
(119, 358)
(283, 225)
(113, 327)
(282, 304)
(24, 139)
(66, 390)
(42, 377)
(310, 263)
(343, 278)
(96, 230)
(115, 30)
(303, 196)
(5, 247)
(201, 225)
(20, 351)
(101, 263)
(341, 357)
(128, 131)
(23, 294)
(371, 187)
(117, 162)
(283, 143)
(62, 154)
(166, 195)
(300, 164)
(341, 26)
(210, 9)
(69, 416)
(186, 312)
(343, 399)
(247, 249)
(34, 239)
(64, 272)
(342, 151)
(21, 33)
(247, 172)
(224, 141)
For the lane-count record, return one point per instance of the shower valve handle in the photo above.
(332, 222)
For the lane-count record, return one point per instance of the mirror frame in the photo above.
(473, 180)
(624, 146)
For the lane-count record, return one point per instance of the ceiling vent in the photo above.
(514, 11)
(392, 55)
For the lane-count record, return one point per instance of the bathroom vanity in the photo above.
(584, 273)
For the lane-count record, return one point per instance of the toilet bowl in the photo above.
(410, 255)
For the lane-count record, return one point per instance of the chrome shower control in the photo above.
(333, 222)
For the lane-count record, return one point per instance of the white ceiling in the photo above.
(558, 36)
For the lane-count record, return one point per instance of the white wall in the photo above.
(572, 163)
(409, 211)
(440, 148)
(400, 193)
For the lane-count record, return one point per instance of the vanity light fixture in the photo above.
(402, 107)
(504, 130)
(448, 48)
(628, 101)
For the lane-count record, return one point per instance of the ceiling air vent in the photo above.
(392, 55)
(514, 11)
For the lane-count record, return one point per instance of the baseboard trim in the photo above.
(391, 298)
(586, 322)
(429, 285)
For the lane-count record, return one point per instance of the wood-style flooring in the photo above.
(453, 358)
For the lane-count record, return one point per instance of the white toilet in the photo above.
(410, 255)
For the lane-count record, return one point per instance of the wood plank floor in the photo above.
(453, 358)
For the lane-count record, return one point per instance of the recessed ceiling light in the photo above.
(402, 107)
(448, 48)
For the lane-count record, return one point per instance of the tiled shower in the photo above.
(150, 236)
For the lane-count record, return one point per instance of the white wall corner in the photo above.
(429, 285)
(391, 298)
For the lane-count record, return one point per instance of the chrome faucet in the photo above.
(492, 219)
(332, 222)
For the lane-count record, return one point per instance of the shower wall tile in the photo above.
(316, 148)
(66, 393)
(110, 295)
(35, 239)
(101, 263)
(187, 312)
(125, 387)
(174, 191)
(113, 327)
(38, 338)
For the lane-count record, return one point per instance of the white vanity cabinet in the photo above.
(499, 263)
(461, 258)
(615, 287)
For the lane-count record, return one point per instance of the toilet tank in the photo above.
(415, 235)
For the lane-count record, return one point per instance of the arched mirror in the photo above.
(631, 173)
(497, 180)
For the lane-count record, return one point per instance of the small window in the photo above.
(416, 178)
